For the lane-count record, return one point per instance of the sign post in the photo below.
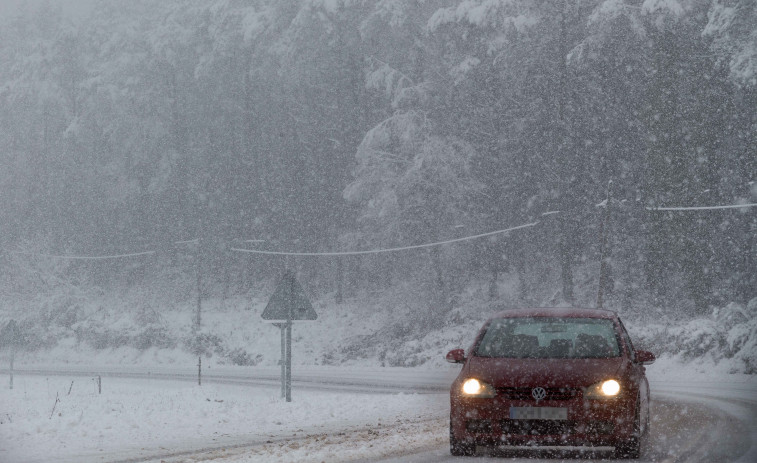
(282, 328)
(288, 303)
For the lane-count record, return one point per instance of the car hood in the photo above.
(500, 372)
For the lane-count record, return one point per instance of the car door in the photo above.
(638, 376)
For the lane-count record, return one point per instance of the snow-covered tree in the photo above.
(732, 26)
(413, 186)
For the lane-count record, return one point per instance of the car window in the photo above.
(627, 340)
(549, 337)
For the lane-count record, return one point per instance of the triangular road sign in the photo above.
(289, 302)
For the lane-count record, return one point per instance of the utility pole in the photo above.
(288, 386)
(339, 278)
(603, 250)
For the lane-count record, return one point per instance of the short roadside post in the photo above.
(11, 331)
(288, 387)
(288, 303)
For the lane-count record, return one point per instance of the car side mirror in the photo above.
(645, 357)
(456, 356)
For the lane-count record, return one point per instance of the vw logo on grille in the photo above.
(538, 393)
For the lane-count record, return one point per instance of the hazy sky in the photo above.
(73, 8)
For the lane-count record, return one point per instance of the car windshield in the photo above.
(549, 337)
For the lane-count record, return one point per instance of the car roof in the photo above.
(570, 312)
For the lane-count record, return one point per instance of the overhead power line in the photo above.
(371, 251)
(196, 240)
(285, 253)
(701, 208)
(105, 257)
(377, 251)
(71, 257)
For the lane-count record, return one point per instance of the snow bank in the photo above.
(727, 339)
(66, 417)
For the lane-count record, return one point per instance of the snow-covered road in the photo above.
(683, 430)
(338, 414)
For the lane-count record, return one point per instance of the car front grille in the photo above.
(555, 427)
(553, 393)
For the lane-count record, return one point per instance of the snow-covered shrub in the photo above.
(729, 334)
(205, 344)
(241, 357)
(700, 337)
(29, 337)
(157, 337)
(100, 337)
(147, 316)
(742, 336)
(61, 310)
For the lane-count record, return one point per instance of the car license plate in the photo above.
(538, 413)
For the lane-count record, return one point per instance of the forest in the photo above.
(146, 146)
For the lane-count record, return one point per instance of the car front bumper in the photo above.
(589, 422)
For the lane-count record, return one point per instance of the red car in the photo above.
(551, 377)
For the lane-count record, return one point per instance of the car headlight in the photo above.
(475, 388)
(603, 390)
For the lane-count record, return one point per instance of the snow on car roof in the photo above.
(555, 312)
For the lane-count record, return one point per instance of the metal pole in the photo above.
(289, 361)
(282, 329)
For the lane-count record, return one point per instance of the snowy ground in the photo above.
(177, 420)
(133, 417)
